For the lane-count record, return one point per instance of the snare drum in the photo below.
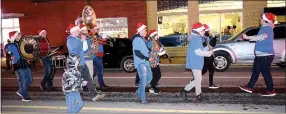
(59, 61)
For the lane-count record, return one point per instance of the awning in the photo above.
(11, 15)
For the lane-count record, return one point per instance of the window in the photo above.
(252, 32)
(279, 32)
(8, 25)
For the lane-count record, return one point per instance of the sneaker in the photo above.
(18, 93)
(246, 89)
(268, 94)
(27, 99)
(183, 93)
(154, 90)
(143, 101)
(97, 97)
(199, 97)
(213, 87)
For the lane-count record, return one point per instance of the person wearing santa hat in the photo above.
(98, 60)
(47, 82)
(141, 60)
(209, 43)
(77, 45)
(20, 65)
(264, 54)
(195, 60)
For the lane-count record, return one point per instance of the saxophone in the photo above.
(154, 53)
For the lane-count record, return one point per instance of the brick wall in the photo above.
(252, 11)
(55, 16)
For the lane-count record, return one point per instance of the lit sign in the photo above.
(113, 27)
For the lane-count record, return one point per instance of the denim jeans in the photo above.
(145, 75)
(74, 102)
(98, 68)
(263, 65)
(25, 80)
(49, 72)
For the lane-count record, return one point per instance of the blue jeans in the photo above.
(74, 102)
(25, 80)
(98, 68)
(49, 72)
(145, 75)
(263, 65)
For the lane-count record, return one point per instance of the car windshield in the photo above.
(248, 31)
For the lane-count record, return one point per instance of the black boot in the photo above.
(183, 94)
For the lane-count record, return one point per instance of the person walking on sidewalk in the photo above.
(141, 60)
(77, 46)
(209, 43)
(264, 55)
(195, 60)
(20, 65)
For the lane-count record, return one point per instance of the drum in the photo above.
(34, 47)
(59, 61)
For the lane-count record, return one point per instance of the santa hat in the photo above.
(13, 35)
(198, 27)
(152, 32)
(72, 28)
(269, 17)
(140, 27)
(41, 31)
(207, 28)
(82, 27)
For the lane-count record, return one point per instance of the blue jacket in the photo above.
(75, 46)
(140, 51)
(13, 49)
(194, 61)
(89, 49)
(266, 45)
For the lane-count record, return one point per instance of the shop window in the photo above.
(173, 30)
(223, 25)
(8, 25)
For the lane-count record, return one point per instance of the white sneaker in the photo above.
(19, 94)
(97, 97)
(151, 90)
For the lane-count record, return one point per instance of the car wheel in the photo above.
(221, 61)
(127, 64)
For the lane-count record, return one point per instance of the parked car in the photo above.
(238, 51)
(120, 55)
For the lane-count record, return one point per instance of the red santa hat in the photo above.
(82, 27)
(72, 28)
(13, 35)
(207, 28)
(269, 17)
(140, 27)
(198, 27)
(152, 32)
(41, 31)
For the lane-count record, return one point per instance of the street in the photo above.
(121, 97)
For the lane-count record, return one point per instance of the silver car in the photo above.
(237, 51)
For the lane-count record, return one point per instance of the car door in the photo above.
(279, 42)
(244, 50)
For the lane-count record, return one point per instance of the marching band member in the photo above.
(98, 60)
(47, 82)
(195, 60)
(209, 44)
(77, 46)
(264, 54)
(141, 60)
(21, 66)
(156, 72)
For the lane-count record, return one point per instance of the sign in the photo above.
(113, 27)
